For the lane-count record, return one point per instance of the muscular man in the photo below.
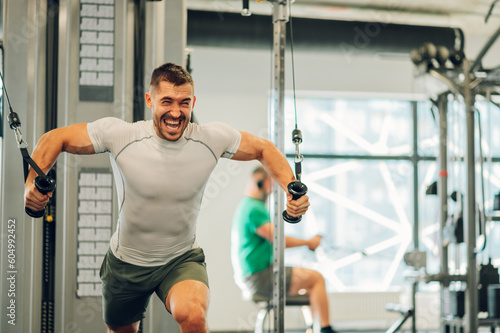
(160, 167)
(252, 251)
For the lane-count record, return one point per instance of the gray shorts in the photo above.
(261, 283)
(127, 288)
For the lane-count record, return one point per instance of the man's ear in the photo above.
(194, 101)
(149, 101)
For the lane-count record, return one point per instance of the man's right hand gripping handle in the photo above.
(44, 185)
(296, 189)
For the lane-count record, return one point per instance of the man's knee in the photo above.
(305, 279)
(319, 277)
(191, 318)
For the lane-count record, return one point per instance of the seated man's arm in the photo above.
(266, 231)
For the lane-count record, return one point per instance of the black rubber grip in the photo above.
(296, 189)
(44, 185)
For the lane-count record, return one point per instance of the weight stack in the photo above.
(494, 301)
(457, 303)
(488, 275)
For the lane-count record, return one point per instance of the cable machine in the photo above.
(276, 135)
(467, 80)
(280, 17)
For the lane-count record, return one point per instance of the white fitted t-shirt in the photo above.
(160, 184)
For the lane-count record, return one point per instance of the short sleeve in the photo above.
(99, 133)
(224, 139)
(259, 216)
(234, 140)
(111, 134)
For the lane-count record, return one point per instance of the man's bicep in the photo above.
(250, 147)
(76, 139)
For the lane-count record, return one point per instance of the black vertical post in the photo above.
(49, 221)
(139, 48)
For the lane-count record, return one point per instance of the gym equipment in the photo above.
(266, 305)
(296, 188)
(443, 54)
(457, 57)
(432, 189)
(488, 275)
(43, 182)
(418, 261)
(440, 57)
(494, 301)
(457, 303)
(496, 203)
(405, 312)
(465, 288)
(281, 15)
(246, 8)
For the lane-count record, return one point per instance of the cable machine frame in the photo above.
(276, 134)
(468, 81)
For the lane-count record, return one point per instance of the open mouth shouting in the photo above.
(172, 124)
(171, 128)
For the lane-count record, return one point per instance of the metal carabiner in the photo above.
(19, 138)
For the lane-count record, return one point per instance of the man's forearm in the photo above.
(45, 154)
(277, 165)
(294, 242)
(73, 139)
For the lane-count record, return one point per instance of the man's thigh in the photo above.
(187, 294)
(124, 296)
(189, 267)
(302, 278)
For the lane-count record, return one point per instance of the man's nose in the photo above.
(175, 111)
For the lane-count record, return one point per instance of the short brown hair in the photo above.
(260, 170)
(172, 73)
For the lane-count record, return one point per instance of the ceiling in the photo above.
(466, 14)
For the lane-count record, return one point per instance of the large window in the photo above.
(367, 165)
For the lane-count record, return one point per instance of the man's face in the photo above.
(268, 185)
(172, 106)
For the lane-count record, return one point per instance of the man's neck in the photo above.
(257, 195)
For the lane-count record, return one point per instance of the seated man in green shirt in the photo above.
(252, 251)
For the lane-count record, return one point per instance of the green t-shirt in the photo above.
(250, 252)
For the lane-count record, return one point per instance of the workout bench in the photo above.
(265, 305)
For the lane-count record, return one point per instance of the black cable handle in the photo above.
(43, 183)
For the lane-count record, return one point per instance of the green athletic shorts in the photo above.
(127, 288)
